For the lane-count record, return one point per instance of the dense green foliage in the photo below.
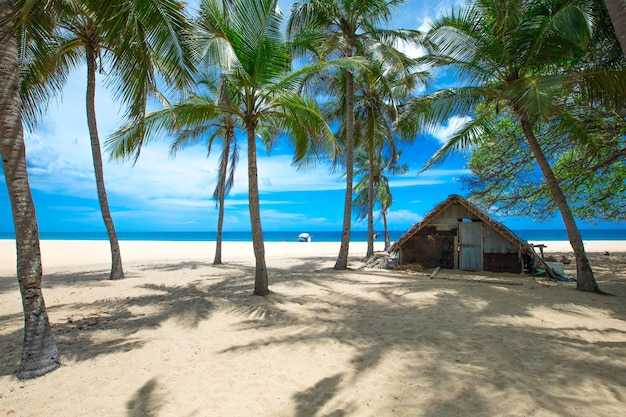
(505, 177)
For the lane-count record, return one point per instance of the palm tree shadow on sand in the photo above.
(145, 402)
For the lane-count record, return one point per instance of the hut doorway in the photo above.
(471, 246)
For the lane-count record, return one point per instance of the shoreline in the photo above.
(70, 254)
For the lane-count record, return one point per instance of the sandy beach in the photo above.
(181, 337)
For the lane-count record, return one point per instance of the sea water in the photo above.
(317, 236)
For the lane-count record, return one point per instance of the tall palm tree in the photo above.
(228, 164)
(385, 163)
(40, 353)
(228, 158)
(380, 91)
(138, 40)
(214, 128)
(348, 28)
(247, 44)
(516, 54)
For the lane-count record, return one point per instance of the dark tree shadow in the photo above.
(310, 401)
(379, 317)
(145, 402)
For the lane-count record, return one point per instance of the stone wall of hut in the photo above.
(430, 248)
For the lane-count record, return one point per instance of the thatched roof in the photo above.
(475, 211)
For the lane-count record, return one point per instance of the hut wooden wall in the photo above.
(500, 255)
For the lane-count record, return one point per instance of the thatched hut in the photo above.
(458, 235)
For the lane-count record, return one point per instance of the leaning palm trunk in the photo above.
(617, 12)
(387, 237)
(342, 259)
(222, 182)
(217, 260)
(116, 259)
(584, 274)
(221, 192)
(40, 353)
(261, 283)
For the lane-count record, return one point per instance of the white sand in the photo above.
(180, 337)
(590, 246)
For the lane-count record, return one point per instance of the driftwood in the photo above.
(435, 272)
(377, 260)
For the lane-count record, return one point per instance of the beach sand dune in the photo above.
(181, 337)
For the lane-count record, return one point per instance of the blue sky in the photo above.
(161, 193)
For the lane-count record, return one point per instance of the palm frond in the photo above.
(463, 139)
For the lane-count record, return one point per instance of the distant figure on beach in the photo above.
(304, 237)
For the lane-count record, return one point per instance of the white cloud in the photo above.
(411, 50)
(445, 132)
(277, 174)
(403, 217)
(425, 25)
(430, 177)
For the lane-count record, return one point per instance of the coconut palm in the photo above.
(349, 28)
(130, 42)
(40, 353)
(246, 44)
(516, 54)
(376, 173)
(212, 127)
(228, 164)
(380, 92)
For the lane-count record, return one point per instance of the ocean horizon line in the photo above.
(317, 236)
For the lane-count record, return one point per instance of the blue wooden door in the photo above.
(471, 243)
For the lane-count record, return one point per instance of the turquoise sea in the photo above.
(318, 236)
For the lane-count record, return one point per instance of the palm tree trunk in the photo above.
(584, 274)
(261, 285)
(217, 260)
(40, 353)
(387, 237)
(221, 191)
(342, 259)
(370, 203)
(222, 100)
(617, 12)
(116, 259)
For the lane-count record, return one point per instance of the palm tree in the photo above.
(228, 158)
(515, 54)
(376, 173)
(246, 44)
(199, 126)
(138, 39)
(228, 164)
(40, 353)
(379, 93)
(348, 28)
